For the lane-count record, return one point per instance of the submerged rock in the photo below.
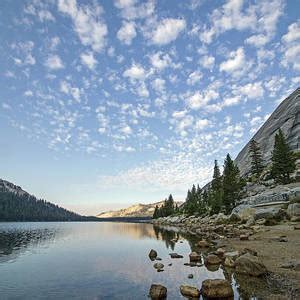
(216, 288)
(158, 292)
(250, 265)
(189, 291)
(158, 266)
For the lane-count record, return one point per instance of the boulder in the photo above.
(189, 291)
(152, 254)
(190, 276)
(293, 210)
(157, 292)
(244, 237)
(212, 259)
(175, 255)
(194, 256)
(216, 288)
(158, 266)
(229, 262)
(250, 265)
(267, 213)
(203, 244)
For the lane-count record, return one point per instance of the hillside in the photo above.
(138, 210)
(18, 205)
(287, 117)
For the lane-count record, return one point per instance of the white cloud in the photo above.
(194, 78)
(207, 62)
(242, 15)
(291, 48)
(87, 21)
(293, 33)
(235, 62)
(202, 124)
(161, 61)
(127, 32)
(159, 84)
(66, 88)
(126, 130)
(179, 114)
(142, 90)
(130, 9)
(136, 71)
(252, 90)
(167, 31)
(54, 62)
(230, 101)
(198, 100)
(88, 59)
(257, 40)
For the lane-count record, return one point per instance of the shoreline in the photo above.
(276, 246)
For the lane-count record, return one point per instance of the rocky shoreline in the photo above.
(254, 242)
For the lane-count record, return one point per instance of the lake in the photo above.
(93, 260)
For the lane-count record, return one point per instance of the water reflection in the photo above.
(101, 261)
(14, 241)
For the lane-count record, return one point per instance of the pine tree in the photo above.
(155, 213)
(256, 158)
(231, 184)
(216, 192)
(283, 160)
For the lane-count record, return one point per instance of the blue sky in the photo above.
(109, 103)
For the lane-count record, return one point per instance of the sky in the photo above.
(104, 104)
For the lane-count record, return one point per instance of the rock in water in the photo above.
(158, 266)
(189, 291)
(152, 254)
(175, 255)
(212, 259)
(157, 292)
(216, 288)
(194, 256)
(250, 265)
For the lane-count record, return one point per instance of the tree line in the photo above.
(16, 207)
(225, 190)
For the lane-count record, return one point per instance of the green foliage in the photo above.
(283, 160)
(17, 207)
(216, 192)
(231, 184)
(168, 208)
(256, 159)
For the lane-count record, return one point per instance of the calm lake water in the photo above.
(96, 261)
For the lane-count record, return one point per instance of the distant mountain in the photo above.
(18, 205)
(138, 210)
(287, 117)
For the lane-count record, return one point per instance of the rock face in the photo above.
(189, 291)
(158, 292)
(287, 117)
(216, 288)
(250, 265)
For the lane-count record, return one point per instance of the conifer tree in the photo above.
(231, 184)
(216, 192)
(155, 213)
(256, 158)
(283, 160)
